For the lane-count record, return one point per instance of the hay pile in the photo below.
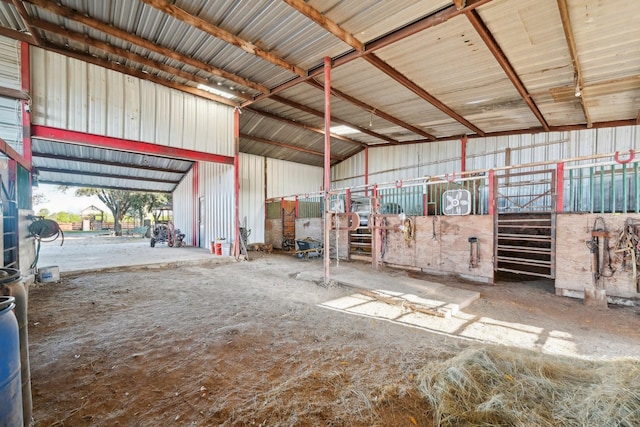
(506, 387)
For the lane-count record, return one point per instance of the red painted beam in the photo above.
(82, 138)
(195, 194)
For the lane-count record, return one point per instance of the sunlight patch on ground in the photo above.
(452, 322)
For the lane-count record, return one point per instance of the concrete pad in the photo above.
(80, 254)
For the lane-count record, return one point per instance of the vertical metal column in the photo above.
(236, 179)
(327, 163)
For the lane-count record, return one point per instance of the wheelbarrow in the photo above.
(309, 248)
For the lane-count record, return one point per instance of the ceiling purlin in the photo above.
(499, 55)
(373, 110)
(77, 172)
(406, 82)
(16, 35)
(106, 47)
(303, 126)
(336, 120)
(124, 186)
(135, 73)
(289, 146)
(573, 51)
(22, 11)
(69, 13)
(40, 155)
(207, 27)
(326, 23)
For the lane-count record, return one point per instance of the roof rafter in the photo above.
(499, 55)
(207, 27)
(326, 23)
(573, 51)
(406, 82)
(109, 48)
(373, 110)
(288, 146)
(69, 13)
(303, 126)
(333, 119)
(106, 187)
(22, 11)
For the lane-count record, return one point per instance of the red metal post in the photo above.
(366, 171)
(297, 207)
(560, 187)
(492, 195)
(347, 200)
(195, 195)
(236, 179)
(327, 163)
(463, 154)
(25, 79)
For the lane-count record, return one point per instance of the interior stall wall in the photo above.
(288, 178)
(252, 195)
(74, 95)
(216, 195)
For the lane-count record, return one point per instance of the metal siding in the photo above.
(183, 217)
(70, 94)
(10, 64)
(216, 186)
(11, 122)
(252, 195)
(288, 178)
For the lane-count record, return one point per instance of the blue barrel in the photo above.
(10, 379)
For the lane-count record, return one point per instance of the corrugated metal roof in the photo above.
(428, 44)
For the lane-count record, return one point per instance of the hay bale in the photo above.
(493, 386)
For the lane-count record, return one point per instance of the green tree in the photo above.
(144, 203)
(44, 212)
(118, 202)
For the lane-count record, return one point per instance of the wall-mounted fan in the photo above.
(456, 202)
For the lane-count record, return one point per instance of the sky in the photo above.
(58, 201)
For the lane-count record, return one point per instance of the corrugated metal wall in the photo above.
(252, 195)
(10, 109)
(216, 192)
(288, 178)
(10, 63)
(387, 164)
(71, 94)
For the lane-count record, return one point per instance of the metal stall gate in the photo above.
(524, 218)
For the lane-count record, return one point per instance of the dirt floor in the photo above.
(251, 343)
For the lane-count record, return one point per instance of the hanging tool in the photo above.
(42, 229)
(474, 253)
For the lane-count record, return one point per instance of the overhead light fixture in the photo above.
(343, 130)
(578, 92)
(215, 91)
